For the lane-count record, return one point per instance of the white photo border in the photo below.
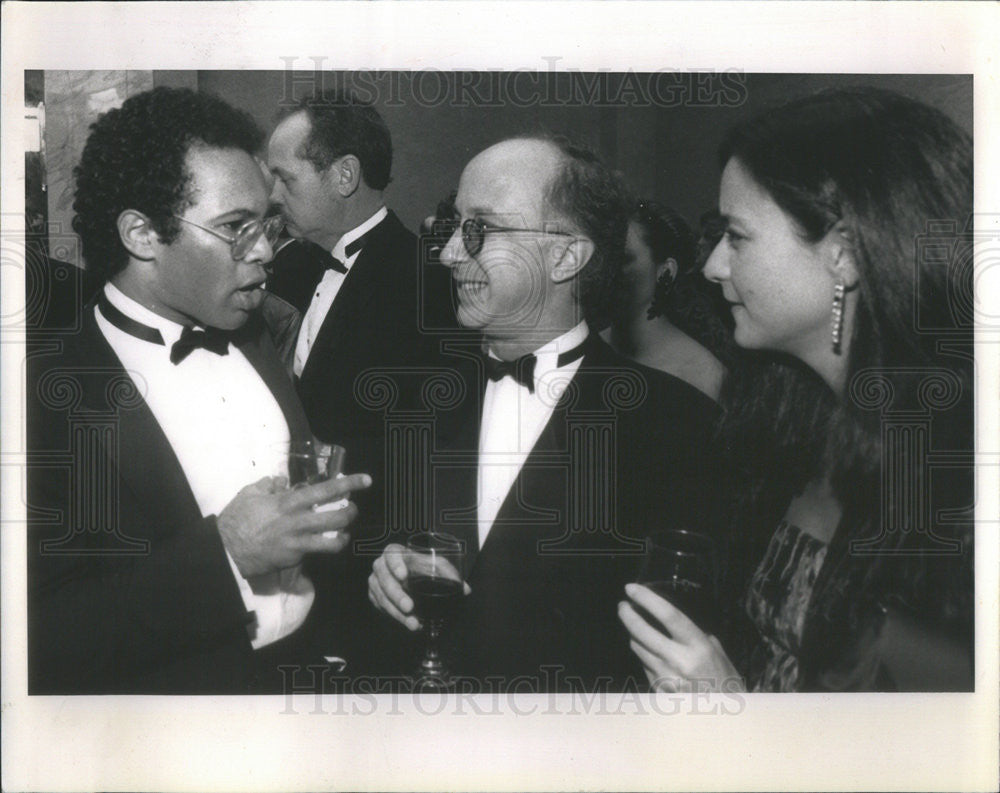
(773, 742)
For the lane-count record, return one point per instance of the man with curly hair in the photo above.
(578, 452)
(165, 547)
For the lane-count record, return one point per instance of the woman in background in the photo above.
(663, 316)
(860, 366)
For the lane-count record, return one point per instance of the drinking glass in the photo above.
(312, 462)
(682, 566)
(435, 564)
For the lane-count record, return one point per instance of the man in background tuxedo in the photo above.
(356, 276)
(577, 451)
(164, 547)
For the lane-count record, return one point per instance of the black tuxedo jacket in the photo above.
(129, 587)
(627, 450)
(378, 320)
(389, 313)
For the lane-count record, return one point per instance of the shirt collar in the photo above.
(547, 356)
(338, 250)
(170, 330)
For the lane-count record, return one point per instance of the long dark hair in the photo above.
(898, 176)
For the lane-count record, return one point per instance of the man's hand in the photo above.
(386, 586)
(267, 527)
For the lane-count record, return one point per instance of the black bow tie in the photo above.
(335, 264)
(523, 369)
(211, 339)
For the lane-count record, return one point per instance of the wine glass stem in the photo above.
(433, 636)
(432, 656)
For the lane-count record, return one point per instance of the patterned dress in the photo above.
(777, 602)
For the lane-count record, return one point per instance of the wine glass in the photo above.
(682, 566)
(435, 564)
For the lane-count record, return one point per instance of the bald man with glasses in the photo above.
(165, 547)
(561, 455)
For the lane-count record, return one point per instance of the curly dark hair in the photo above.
(341, 124)
(134, 158)
(595, 200)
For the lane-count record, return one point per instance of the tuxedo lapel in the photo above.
(536, 505)
(456, 454)
(361, 286)
(137, 446)
(296, 271)
(457, 431)
(539, 500)
(257, 350)
(147, 463)
(140, 449)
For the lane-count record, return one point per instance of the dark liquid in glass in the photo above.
(435, 599)
(689, 597)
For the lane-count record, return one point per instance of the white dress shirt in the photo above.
(513, 420)
(227, 430)
(327, 289)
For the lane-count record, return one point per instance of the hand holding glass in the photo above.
(435, 565)
(310, 462)
(681, 566)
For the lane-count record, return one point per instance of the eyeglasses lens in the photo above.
(472, 236)
(272, 228)
(248, 235)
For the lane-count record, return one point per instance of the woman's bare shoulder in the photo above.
(678, 354)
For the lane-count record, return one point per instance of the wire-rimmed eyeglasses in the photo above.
(246, 236)
(474, 231)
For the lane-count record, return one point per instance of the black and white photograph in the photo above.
(402, 396)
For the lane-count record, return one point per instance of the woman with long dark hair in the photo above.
(847, 264)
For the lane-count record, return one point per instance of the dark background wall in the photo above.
(661, 130)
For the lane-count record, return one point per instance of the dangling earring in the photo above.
(837, 317)
(664, 287)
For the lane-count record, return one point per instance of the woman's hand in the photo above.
(684, 659)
